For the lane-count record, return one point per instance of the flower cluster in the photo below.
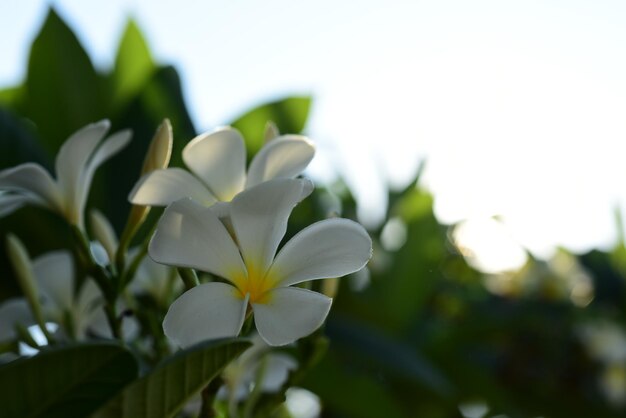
(221, 219)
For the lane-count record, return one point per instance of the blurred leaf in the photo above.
(18, 143)
(133, 67)
(12, 96)
(354, 395)
(62, 89)
(393, 356)
(289, 115)
(65, 382)
(166, 389)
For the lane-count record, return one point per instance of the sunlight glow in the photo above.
(488, 246)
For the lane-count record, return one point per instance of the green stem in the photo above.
(129, 274)
(257, 391)
(189, 277)
(208, 397)
(99, 275)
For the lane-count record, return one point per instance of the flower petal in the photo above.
(284, 157)
(10, 202)
(289, 314)
(76, 152)
(277, 371)
(111, 146)
(208, 311)
(329, 248)
(54, 273)
(12, 312)
(88, 309)
(259, 216)
(190, 235)
(33, 180)
(162, 187)
(219, 159)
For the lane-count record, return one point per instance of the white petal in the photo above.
(88, 310)
(154, 278)
(277, 370)
(54, 273)
(162, 187)
(98, 324)
(259, 216)
(289, 314)
(190, 235)
(76, 152)
(208, 311)
(329, 248)
(219, 159)
(10, 202)
(284, 157)
(12, 312)
(111, 146)
(103, 231)
(32, 179)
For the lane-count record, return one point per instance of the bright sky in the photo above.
(519, 106)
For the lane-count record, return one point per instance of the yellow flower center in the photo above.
(257, 285)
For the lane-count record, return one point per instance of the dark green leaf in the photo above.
(18, 142)
(62, 89)
(65, 382)
(165, 390)
(133, 67)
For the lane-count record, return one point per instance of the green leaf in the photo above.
(133, 67)
(11, 97)
(65, 382)
(62, 89)
(17, 142)
(166, 389)
(289, 115)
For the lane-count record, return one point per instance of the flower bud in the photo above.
(271, 131)
(24, 271)
(103, 232)
(160, 150)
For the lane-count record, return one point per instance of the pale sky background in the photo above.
(519, 106)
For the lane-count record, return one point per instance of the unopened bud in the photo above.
(160, 150)
(271, 131)
(103, 232)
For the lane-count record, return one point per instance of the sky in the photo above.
(516, 107)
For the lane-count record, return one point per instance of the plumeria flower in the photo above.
(257, 365)
(79, 313)
(217, 162)
(156, 280)
(76, 163)
(192, 236)
(54, 273)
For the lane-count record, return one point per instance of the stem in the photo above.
(99, 275)
(255, 395)
(208, 397)
(129, 274)
(189, 277)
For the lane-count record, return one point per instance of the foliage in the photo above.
(424, 338)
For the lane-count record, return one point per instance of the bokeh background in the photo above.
(480, 142)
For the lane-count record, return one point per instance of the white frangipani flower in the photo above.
(190, 235)
(54, 272)
(159, 281)
(217, 162)
(257, 365)
(76, 163)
